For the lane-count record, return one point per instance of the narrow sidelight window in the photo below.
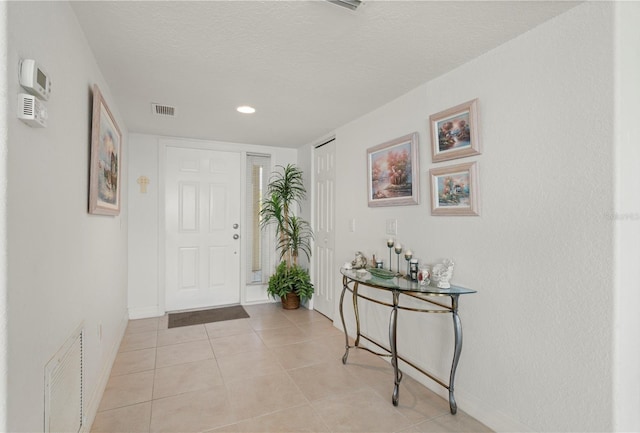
(257, 240)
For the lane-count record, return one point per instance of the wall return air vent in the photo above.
(64, 387)
(163, 110)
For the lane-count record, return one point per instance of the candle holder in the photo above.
(398, 250)
(413, 270)
(407, 256)
(390, 243)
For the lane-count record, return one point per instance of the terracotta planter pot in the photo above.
(291, 301)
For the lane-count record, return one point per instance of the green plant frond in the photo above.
(290, 280)
(303, 285)
(293, 234)
(300, 235)
(272, 212)
(297, 237)
(288, 185)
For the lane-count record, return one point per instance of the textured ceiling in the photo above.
(307, 67)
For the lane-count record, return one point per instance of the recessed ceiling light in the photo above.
(245, 109)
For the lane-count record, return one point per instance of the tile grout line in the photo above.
(155, 370)
(271, 351)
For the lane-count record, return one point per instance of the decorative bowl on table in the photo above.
(385, 274)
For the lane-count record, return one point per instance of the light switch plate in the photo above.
(392, 227)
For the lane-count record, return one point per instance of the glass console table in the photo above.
(400, 286)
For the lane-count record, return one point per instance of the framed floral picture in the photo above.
(454, 190)
(392, 175)
(454, 132)
(106, 153)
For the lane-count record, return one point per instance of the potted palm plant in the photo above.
(285, 191)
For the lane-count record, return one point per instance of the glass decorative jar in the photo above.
(424, 276)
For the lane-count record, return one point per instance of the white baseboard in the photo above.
(91, 409)
(144, 312)
(489, 416)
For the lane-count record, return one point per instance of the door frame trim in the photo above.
(163, 142)
(162, 230)
(313, 272)
(320, 143)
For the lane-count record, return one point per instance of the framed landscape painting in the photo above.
(106, 152)
(392, 175)
(454, 190)
(454, 132)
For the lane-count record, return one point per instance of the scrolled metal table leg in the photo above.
(357, 313)
(457, 330)
(344, 325)
(393, 327)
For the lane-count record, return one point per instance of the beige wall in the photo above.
(65, 267)
(3, 220)
(146, 260)
(538, 352)
(538, 334)
(627, 219)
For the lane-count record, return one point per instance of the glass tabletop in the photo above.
(402, 284)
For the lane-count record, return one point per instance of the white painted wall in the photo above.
(626, 393)
(305, 163)
(146, 234)
(537, 351)
(538, 345)
(144, 253)
(3, 221)
(65, 266)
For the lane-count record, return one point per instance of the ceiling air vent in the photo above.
(163, 110)
(349, 4)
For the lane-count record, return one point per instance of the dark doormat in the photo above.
(207, 316)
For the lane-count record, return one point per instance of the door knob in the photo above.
(235, 226)
(236, 236)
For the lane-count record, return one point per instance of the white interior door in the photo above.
(324, 194)
(202, 197)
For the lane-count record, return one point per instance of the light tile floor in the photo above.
(278, 371)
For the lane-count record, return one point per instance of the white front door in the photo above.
(202, 197)
(324, 194)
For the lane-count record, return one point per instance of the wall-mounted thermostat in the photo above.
(32, 111)
(34, 79)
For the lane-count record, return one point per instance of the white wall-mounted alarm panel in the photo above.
(34, 79)
(32, 111)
